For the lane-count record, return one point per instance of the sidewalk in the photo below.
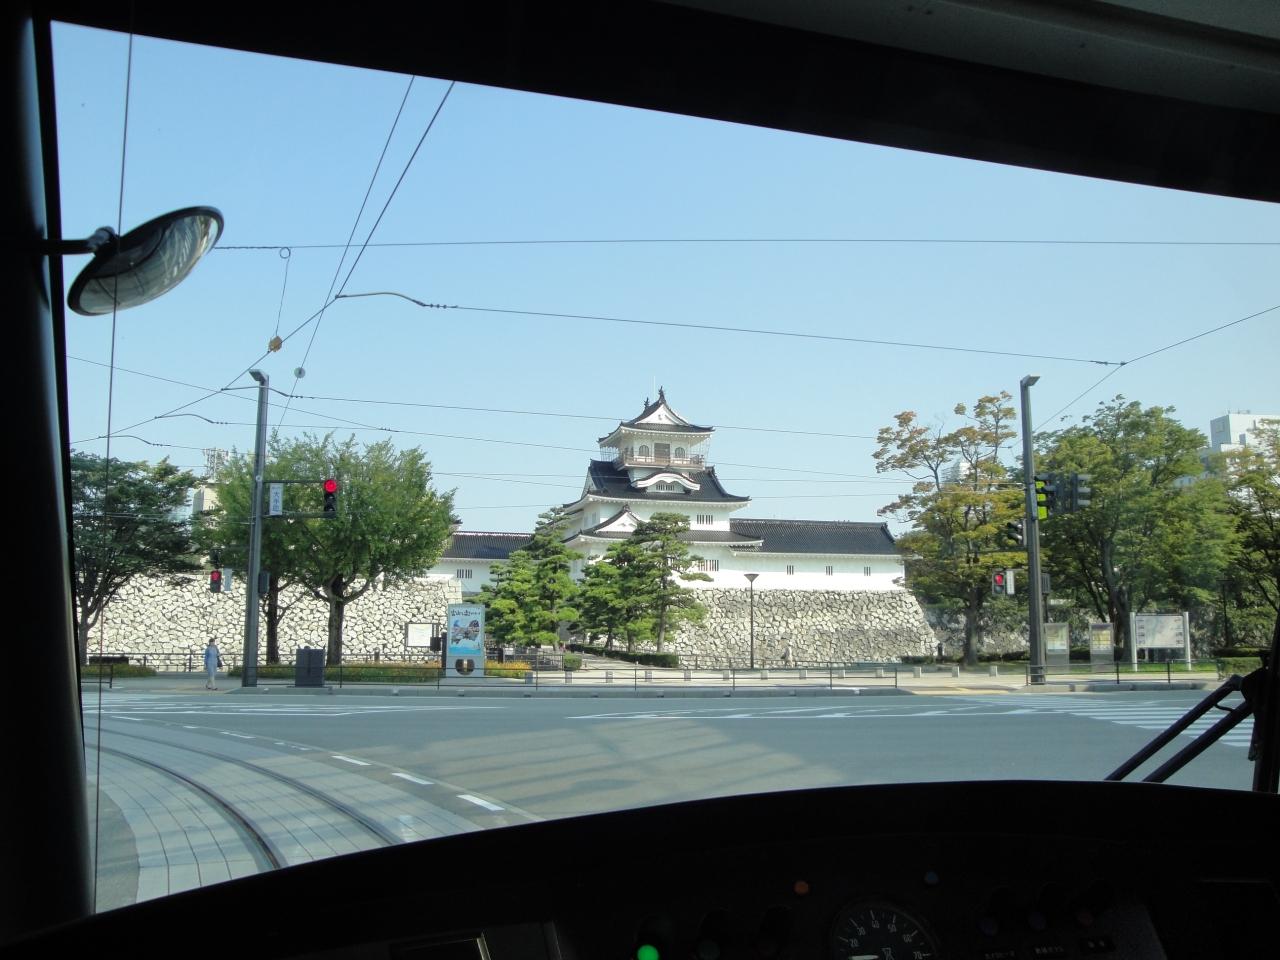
(629, 681)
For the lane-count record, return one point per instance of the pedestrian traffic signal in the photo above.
(215, 581)
(1015, 530)
(999, 584)
(331, 497)
(1046, 495)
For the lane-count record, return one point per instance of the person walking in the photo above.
(212, 661)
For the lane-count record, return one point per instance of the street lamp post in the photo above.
(249, 674)
(751, 592)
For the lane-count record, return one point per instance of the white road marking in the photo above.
(240, 736)
(358, 763)
(478, 802)
(412, 779)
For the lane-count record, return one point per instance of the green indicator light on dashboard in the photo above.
(647, 951)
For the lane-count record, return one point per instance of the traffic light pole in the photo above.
(249, 678)
(1034, 596)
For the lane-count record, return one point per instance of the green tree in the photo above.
(634, 587)
(1147, 539)
(959, 506)
(1252, 475)
(390, 523)
(672, 564)
(507, 599)
(601, 606)
(126, 522)
(223, 532)
(533, 593)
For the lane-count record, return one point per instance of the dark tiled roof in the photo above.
(484, 546)
(817, 536)
(606, 480)
(653, 407)
(649, 409)
(691, 536)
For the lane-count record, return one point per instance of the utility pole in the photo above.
(249, 678)
(1034, 596)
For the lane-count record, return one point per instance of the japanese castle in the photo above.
(659, 462)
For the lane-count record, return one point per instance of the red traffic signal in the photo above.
(215, 581)
(331, 485)
(998, 587)
(330, 497)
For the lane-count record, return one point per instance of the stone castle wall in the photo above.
(157, 616)
(819, 625)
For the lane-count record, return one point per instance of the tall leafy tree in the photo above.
(672, 563)
(223, 533)
(127, 521)
(1151, 537)
(390, 522)
(962, 499)
(1252, 475)
(533, 593)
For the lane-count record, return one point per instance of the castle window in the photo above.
(705, 519)
(464, 573)
(866, 571)
(644, 451)
(679, 453)
(831, 571)
(791, 569)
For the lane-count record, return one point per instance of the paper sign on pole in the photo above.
(275, 499)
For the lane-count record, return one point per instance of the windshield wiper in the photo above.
(1259, 692)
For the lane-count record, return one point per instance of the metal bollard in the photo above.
(840, 674)
(608, 676)
(648, 675)
(726, 675)
(879, 673)
(993, 670)
(568, 676)
(955, 671)
(688, 675)
(764, 674)
(917, 672)
(804, 673)
(528, 676)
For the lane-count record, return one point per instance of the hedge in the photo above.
(644, 659)
(1230, 652)
(1240, 665)
(94, 670)
(384, 672)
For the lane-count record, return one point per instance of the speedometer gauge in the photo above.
(873, 930)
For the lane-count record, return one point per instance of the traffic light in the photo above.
(1046, 495)
(1015, 530)
(330, 497)
(215, 581)
(1079, 495)
(999, 584)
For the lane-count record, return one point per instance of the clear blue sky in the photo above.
(286, 150)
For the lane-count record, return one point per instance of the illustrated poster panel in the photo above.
(465, 656)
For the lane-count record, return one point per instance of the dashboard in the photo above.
(991, 871)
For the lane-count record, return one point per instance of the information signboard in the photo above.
(1057, 645)
(1102, 648)
(1160, 631)
(464, 656)
(418, 634)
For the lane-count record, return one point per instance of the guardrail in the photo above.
(638, 677)
(1118, 672)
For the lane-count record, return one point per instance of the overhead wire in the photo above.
(941, 241)
(328, 297)
(1149, 354)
